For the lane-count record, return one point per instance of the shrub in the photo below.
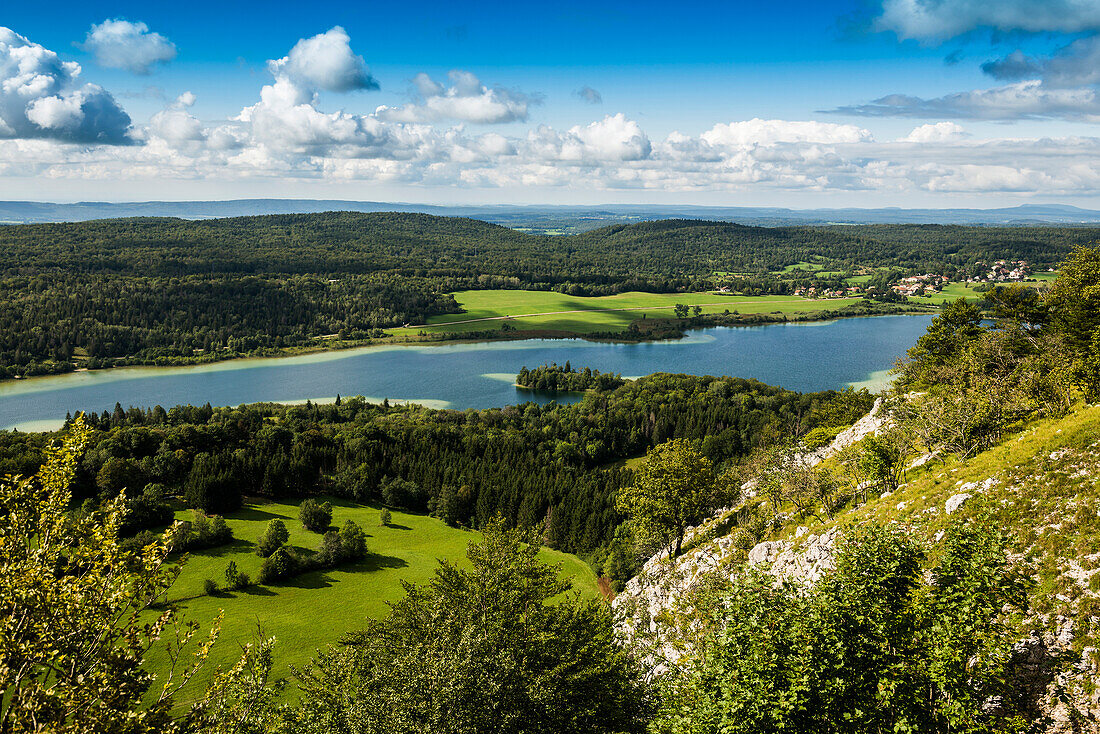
(210, 587)
(209, 531)
(283, 563)
(847, 654)
(203, 531)
(243, 580)
(385, 517)
(331, 552)
(232, 576)
(315, 516)
(821, 436)
(273, 538)
(353, 541)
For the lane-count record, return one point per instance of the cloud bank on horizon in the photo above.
(459, 131)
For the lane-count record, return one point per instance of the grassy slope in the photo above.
(317, 608)
(484, 304)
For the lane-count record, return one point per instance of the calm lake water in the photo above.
(805, 357)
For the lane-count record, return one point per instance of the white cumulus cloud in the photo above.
(120, 44)
(466, 99)
(614, 138)
(41, 97)
(772, 132)
(325, 62)
(937, 132)
(301, 142)
(288, 135)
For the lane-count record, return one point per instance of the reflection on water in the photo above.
(807, 356)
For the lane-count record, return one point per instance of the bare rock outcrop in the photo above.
(642, 608)
(1056, 683)
(809, 562)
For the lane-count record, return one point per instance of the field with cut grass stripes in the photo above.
(549, 311)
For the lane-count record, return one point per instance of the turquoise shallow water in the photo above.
(805, 356)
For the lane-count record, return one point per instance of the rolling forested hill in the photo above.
(151, 290)
(422, 245)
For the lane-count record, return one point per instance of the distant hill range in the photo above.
(550, 219)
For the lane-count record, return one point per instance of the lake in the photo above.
(804, 356)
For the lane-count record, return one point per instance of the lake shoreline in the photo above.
(804, 356)
(625, 337)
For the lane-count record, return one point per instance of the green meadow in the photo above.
(315, 609)
(955, 290)
(951, 292)
(548, 311)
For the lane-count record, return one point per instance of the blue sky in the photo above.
(875, 102)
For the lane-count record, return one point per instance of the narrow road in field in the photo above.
(598, 310)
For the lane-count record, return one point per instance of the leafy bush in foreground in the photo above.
(873, 648)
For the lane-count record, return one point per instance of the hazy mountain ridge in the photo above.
(547, 218)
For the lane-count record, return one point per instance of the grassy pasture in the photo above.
(557, 312)
(955, 290)
(316, 609)
(809, 267)
(951, 292)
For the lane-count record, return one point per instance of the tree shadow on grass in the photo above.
(255, 513)
(237, 545)
(311, 580)
(256, 590)
(322, 579)
(398, 526)
(345, 502)
(375, 562)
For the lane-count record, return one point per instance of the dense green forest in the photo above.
(552, 467)
(166, 291)
(557, 378)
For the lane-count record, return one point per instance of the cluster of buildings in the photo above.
(813, 292)
(914, 285)
(920, 285)
(1003, 271)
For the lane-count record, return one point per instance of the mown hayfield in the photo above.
(597, 314)
(315, 609)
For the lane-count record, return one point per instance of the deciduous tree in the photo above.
(673, 489)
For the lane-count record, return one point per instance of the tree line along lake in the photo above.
(806, 356)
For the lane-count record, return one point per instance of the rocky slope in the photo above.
(1041, 486)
